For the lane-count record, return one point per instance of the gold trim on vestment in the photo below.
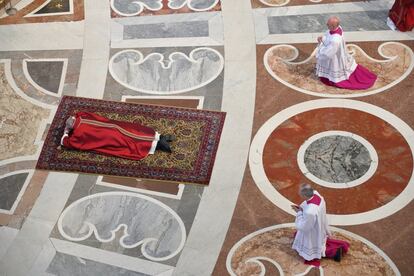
(122, 130)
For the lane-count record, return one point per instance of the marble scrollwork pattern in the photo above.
(145, 222)
(135, 7)
(273, 245)
(155, 74)
(277, 3)
(195, 5)
(397, 64)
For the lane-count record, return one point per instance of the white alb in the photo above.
(312, 230)
(333, 60)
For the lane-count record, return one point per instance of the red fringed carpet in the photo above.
(194, 150)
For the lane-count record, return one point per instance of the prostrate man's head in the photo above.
(70, 122)
(305, 191)
(333, 23)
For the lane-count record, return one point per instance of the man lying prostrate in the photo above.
(91, 132)
(401, 16)
(335, 66)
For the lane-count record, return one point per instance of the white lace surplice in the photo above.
(312, 230)
(333, 61)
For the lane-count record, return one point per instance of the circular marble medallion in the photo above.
(337, 159)
(273, 159)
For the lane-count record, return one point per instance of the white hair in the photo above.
(306, 190)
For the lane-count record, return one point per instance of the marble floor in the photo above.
(282, 128)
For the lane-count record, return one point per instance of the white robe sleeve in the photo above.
(331, 49)
(305, 221)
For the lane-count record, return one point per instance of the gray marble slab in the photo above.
(337, 159)
(46, 74)
(10, 187)
(67, 265)
(167, 29)
(314, 23)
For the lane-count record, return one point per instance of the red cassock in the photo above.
(402, 14)
(92, 132)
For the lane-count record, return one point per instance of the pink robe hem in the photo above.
(360, 79)
(332, 247)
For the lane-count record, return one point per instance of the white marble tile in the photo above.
(110, 258)
(189, 267)
(40, 36)
(208, 233)
(43, 260)
(215, 28)
(7, 235)
(96, 50)
(92, 78)
(26, 247)
(30, 241)
(260, 25)
(53, 196)
(237, 33)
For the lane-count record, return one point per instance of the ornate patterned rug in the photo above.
(197, 138)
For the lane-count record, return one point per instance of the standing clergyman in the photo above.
(312, 240)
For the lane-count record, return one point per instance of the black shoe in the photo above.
(163, 145)
(338, 255)
(169, 138)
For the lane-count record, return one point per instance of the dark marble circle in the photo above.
(337, 159)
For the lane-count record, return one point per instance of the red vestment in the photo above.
(402, 14)
(92, 132)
